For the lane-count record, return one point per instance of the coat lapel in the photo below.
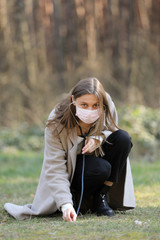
(72, 146)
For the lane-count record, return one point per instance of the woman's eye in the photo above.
(96, 105)
(83, 105)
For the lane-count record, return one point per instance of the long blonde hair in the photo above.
(65, 111)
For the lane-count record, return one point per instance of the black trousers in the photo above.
(98, 170)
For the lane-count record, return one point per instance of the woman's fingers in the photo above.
(73, 216)
(90, 145)
(69, 215)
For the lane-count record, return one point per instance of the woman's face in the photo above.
(87, 101)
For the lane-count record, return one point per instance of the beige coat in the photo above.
(57, 172)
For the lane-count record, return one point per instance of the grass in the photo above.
(19, 174)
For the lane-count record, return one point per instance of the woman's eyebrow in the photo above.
(84, 102)
(89, 102)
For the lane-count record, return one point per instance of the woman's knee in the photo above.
(122, 137)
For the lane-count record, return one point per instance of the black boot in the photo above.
(100, 204)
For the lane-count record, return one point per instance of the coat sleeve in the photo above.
(55, 169)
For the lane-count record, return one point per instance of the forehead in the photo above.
(88, 98)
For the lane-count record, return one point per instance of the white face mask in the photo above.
(87, 116)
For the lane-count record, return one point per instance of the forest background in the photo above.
(46, 46)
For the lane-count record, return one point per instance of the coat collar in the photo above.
(73, 136)
(72, 148)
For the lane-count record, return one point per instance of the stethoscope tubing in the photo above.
(82, 185)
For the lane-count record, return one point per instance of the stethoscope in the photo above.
(83, 166)
(83, 160)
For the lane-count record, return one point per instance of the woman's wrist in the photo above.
(66, 206)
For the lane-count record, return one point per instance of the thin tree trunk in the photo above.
(90, 30)
(60, 66)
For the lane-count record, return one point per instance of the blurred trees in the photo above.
(46, 46)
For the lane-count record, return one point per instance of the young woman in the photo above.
(85, 158)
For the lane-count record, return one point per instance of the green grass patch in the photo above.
(19, 175)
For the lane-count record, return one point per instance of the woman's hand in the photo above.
(90, 145)
(69, 213)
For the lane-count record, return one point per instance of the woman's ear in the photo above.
(73, 100)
